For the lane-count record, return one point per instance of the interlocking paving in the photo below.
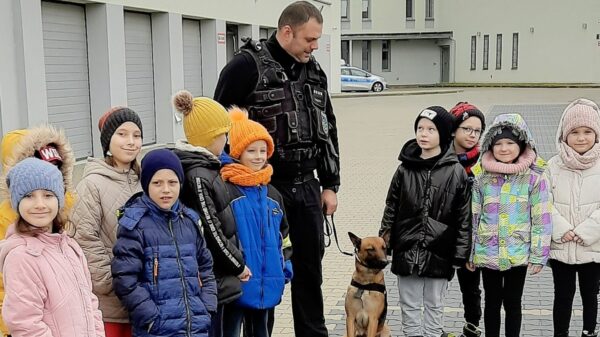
(372, 131)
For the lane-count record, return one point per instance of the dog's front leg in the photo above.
(350, 328)
(372, 328)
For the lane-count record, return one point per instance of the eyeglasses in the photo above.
(470, 131)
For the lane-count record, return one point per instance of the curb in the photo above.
(396, 93)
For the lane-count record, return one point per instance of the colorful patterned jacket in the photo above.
(512, 213)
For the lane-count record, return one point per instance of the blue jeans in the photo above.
(235, 315)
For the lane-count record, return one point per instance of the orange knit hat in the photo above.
(245, 132)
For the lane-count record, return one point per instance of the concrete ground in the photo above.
(372, 129)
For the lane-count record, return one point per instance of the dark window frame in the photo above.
(515, 51)
(429, 9)
(368, 11)
(410, 9)
(473, 52)
(366, 56)
(498, 51)
(386, 61)
(486, 52)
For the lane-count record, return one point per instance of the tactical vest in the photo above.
(292, 111)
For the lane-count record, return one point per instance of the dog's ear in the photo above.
(355, 240)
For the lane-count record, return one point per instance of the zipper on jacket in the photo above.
(182, 278)
(155, 270)
(83, 304)
(264, 262)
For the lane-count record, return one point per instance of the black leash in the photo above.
(329, 228)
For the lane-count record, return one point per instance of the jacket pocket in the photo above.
(438, 234)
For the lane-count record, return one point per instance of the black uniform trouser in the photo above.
(305, 216)
(564, 276)
(471, 294)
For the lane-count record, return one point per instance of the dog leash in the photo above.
(330, 228)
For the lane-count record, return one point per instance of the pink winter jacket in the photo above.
(48, 288)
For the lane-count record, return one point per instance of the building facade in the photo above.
(473, 41)
(67, 62)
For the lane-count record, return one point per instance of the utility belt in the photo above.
(297, 154)
(298, 179)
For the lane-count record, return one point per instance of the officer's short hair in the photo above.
(298, 13)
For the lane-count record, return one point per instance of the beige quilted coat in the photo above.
(102, 190)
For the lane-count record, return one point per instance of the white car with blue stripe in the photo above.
(355, 79)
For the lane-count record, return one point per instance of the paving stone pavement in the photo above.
(372, 130)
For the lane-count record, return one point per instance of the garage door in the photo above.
(140, 72)
(67, 83)
(192, 57)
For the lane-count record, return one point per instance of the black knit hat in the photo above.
(156, 160)
(509, 133)
(443, 121)
(110, 122)
(463, 111)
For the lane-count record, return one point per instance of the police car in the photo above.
(355, 79)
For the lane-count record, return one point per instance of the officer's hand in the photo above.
(329, 202)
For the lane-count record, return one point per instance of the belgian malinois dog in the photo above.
(366, 298)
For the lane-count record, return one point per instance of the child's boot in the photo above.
(471, 330)
(586, 333)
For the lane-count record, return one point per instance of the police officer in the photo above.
(284, 89)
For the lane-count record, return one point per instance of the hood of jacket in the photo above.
(34, 139)
(410, 156)
(100, 167)
(513, 120)
(195, 156)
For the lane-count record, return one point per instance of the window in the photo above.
(346, 51)
(366, 9)
(344, 6)
(385, 55)
(499, 51)
(486, 51)
(356, 72)
(346, 72)
(473, 52)
(428, 9)
(515, 51)
(366, 55)
(410, 9)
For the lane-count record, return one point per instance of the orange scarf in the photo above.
(241, 175)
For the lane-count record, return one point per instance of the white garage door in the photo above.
(67, 83)
(140, 72)
(192, 57)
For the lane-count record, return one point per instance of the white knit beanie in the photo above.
(581, 112)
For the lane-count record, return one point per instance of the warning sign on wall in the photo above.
(221, 38)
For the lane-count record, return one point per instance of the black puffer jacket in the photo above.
(428, 212)
(205, 192)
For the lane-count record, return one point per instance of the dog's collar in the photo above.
(369, 286)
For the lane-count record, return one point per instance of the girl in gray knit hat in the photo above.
(46, 277)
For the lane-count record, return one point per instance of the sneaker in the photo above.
(447, 334)
(471, 330)
(586, 333)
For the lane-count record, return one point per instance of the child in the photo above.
(261, 223)
(162, 271)
(48, 288)
(206, 123)
(511, 219)
(44, 142)
(427, 211)
(106, 185)
(468, 125)
(575, 248)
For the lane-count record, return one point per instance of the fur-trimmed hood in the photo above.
(25, 147)
(516, 123)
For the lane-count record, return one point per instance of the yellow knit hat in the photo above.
(245, 132)
(204, 119)
(9, 141)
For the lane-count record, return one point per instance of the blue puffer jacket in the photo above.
(263, 232)
(162, 270)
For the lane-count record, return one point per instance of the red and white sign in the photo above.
(221, 38)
